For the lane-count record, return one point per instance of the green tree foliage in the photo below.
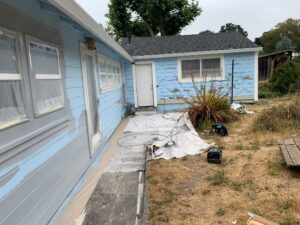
(288, 29)
(285, 44)
(286, 78)
(206, 32)
(151, 17)
(229, 27)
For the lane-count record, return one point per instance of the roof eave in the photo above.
(186, 54)
(74, 11)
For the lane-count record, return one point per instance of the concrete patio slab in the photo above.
(113, 202)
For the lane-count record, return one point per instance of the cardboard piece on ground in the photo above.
(257, 220)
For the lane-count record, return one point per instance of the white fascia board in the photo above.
(186, 54)
(74, 11)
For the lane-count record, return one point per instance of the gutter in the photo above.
(186, 54)
(78, 14)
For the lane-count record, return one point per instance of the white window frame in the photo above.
(200, 77)
(113, 63)
(45, 76)
(13, 76)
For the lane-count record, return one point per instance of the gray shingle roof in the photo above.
(141, 46)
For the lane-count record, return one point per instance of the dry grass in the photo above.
(252, 177)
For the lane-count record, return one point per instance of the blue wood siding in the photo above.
(35, 182)
(171, 88)
(111, 111)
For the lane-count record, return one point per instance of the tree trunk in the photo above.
(161, 25)
(148, 28)
(162, 30)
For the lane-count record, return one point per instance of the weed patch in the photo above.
(275, 166)
(289, 221)
(219, 178)
(279, 117)
(237, 185)
(284, 206)
(170, 196)
(220, 212)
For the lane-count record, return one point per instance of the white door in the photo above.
(91, 98)
(144, 85)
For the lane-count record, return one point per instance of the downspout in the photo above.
(232, 80)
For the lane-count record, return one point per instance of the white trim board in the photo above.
(94, 140)
(185, 54)
(10, 76)
(134, 86)
(74, 11)
(256, 76)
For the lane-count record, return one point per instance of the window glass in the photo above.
(211, 68)
(103, 75)
(110, 77)
(44, 59)
(47, 81)
(119, 76)
(110, 80)
(190, 68)
(8, 54)
(12, 102)
(50, 96)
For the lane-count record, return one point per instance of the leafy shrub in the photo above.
(286, 78)
(209, 104)
(278, 117)
(265, 91)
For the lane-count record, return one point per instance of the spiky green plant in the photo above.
(208, 104)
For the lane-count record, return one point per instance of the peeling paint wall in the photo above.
(169, 88)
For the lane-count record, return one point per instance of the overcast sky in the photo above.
(255, 16)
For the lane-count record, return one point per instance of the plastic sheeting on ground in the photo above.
(240, 109)
(158, 129)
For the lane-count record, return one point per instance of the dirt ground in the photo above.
(252, 177)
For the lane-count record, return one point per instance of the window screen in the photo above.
(190, 68)
(211, 68)
(45, 66)
(12, 107)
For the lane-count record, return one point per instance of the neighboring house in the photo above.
(64, 88)
(269, 62)
(163, 67)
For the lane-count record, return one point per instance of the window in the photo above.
(103, 74)
(12, 107)
(190, 68)
(47, 79)
(211, 68)
(201, 68)
(110, 74)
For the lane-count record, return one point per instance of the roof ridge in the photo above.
(183, 35)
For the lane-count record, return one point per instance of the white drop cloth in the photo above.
(157, 129)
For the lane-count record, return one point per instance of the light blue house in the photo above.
(65, 85)
(167, 63)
